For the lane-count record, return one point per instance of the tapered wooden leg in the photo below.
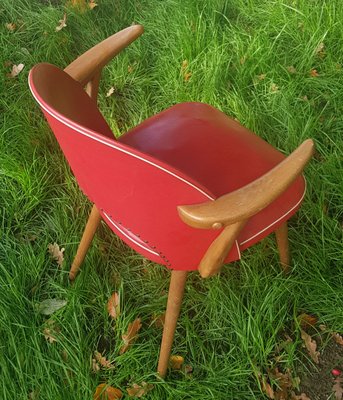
(283, 246)
(176, 290)
(87, 237)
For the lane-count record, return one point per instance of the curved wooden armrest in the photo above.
(89, 64)
(243, 203)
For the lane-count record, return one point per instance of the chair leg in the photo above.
(283, 246)
(87, 237)
(175, 296)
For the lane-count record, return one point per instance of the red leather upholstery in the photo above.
(187, 154)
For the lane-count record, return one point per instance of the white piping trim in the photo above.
(277, 220)
(129, 237)
(238, 250)
(86, 132)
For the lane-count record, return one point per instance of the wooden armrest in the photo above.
(85, 67)
(243, 203)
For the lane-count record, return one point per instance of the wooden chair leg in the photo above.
(175, 296)
(87, 237)
(283, 246)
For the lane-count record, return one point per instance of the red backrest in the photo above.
(134, 189)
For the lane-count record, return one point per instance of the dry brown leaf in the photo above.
(92, 4)
(16, 69)
(130, 335)
(79, 5)
(311, 346)
(187, 76)
(56, 253)
(176, 362)
(49, 335)
(306, 320)
(11, 26)
(337, 338)
(320, 50)
(130, 69)
(184, 65)
(62, 23)
(301, 396)
(314, 73)
(159, 320)
(113, 305)
(110, 91)
(104, 392)
(102, 360)
(139, 390)
(337, 388)
(261, 77)
(291, 69)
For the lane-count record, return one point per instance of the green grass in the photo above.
(230, 324)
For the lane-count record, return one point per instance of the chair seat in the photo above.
(220, 154)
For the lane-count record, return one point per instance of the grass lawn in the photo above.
(276, 66)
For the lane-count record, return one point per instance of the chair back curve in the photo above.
(136, 194)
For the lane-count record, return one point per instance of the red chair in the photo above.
(188, 188)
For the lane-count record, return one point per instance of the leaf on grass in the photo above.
(274, 88)
(320, 50)
(139, 390)
(49, 306)
(113, 306)
(105, 392)
(337, 338)
(291, 69)
(11, 26)
(266, 388)
(337, 388)
(130, 69)
(56, 253)
(301, 396)
(51, 331)
(314, 73)
(110, 91)
(95, 366)
(16, 69)
(62, 23)
(176, 362)
(158, 320)
(311, 346)
(34, 395)
(92, 4)
(261, 77)
(102, 360)
(306, 320)
(186, 74)
(130, 335)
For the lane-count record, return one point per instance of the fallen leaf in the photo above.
(16, 69)
(261, 77)
(113, 305)
(158, 320)
(139, 390)
(102, 360)
(188, 369)
(56, 253)
(337, 338)
(62, 23)
(104, 392)
(34, 395)
(274, 88)
(130, 335)
(187, 76)
(95, 366)
(311, 346)
(291, 69)
(265, 386)
(11, 26)
(314, 73)
(130, 69)
(49, 306)
(306, 320)
(320, 50)
(184, 65)
(110, 91)
(337, 388)
(49, 335)
(301, 396)
(176, 362)
(92, 4)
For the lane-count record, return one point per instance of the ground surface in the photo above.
(277, 68)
